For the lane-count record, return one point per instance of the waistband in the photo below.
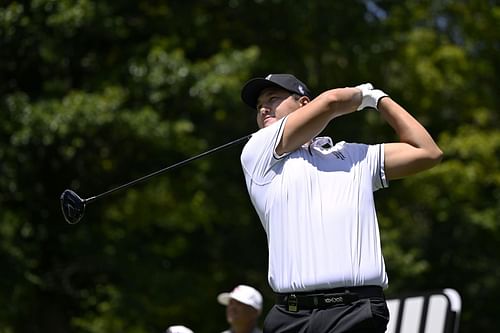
(325, 298)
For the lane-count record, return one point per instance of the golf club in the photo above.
(73, 206)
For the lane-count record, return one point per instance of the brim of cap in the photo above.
(178, 329)
(224, 298)
(252, 89)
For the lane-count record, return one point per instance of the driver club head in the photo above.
(72, 206)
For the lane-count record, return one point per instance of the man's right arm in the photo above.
(309, 120)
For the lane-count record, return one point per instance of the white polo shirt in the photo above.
(316, 205)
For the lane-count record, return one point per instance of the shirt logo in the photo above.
(339, 155)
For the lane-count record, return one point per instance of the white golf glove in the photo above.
(371, 96)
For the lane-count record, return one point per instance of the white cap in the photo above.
(178, 329)
(244, 294)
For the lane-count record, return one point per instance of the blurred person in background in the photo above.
(243, 309)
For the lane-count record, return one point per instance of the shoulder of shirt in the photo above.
(350, 145)
(349, 148)
(263, 132)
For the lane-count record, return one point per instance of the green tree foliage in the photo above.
(94, 94)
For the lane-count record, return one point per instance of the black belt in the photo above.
(326, 298)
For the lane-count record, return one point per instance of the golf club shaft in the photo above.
(213, 150)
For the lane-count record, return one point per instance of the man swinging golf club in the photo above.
(315, 201)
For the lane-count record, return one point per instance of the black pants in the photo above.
(364, 315)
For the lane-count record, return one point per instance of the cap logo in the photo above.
(301, 89)
(269, 77)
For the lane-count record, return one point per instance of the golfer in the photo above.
(315, 200)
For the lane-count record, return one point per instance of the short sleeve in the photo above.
(259, 154)
(375, 159)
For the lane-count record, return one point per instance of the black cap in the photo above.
(252, 89)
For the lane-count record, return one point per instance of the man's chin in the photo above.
(268, 122)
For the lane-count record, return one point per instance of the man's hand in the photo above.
(370, 96)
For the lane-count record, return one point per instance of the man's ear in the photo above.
(303, 100)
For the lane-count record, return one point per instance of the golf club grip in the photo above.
(178, 164)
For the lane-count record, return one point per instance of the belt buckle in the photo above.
(292, 303)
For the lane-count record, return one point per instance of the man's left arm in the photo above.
(416, 150)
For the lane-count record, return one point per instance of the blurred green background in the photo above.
(95, 93)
